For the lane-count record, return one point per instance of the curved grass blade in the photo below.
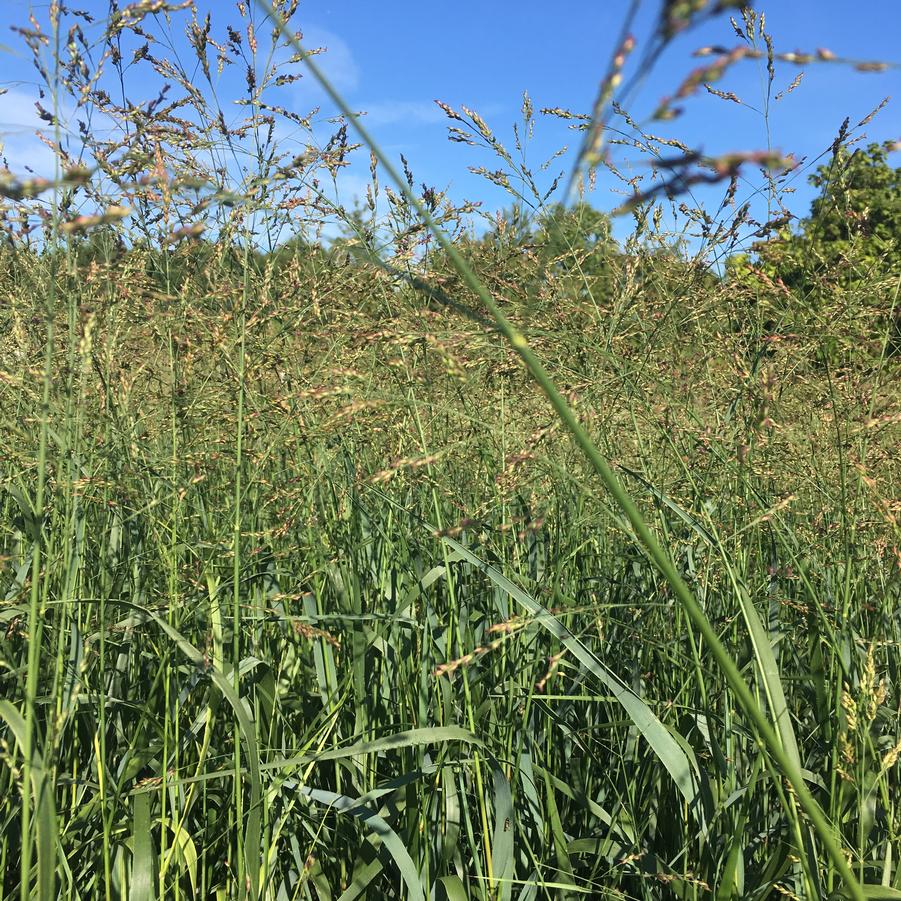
(390, 839)
(186, 851)
(364, 870)
(769, 676)
(408, 739)
(763, 650)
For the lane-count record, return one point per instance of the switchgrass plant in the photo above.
(307, 594)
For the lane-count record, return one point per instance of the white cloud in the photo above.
(21, 125)
(337, 63)
(19, 122)
(392, 112)
(349, 189)
(17, 111)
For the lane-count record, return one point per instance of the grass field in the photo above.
(314, 586)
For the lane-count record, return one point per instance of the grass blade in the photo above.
(141, 888)
(45, 807)
(390, 839)
(252, 830)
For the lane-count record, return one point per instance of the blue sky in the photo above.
(395, 59)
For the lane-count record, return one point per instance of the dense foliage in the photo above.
(821, 276)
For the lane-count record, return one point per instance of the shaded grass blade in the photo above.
(248, 733)
(390, 839)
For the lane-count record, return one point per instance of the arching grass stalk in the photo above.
(766, 733)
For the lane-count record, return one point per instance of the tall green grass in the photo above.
(322, 600)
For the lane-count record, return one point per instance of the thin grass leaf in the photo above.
(769, 676)
(561, 849)
(602, 468)
(409, 739)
